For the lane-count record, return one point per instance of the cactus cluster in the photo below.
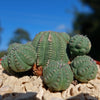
(48, 52)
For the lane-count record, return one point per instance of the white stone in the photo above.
(5, 90)
(40, 93)
(1, 82)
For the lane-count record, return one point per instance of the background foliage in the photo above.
(89, 24)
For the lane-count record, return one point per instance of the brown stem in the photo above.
(37, 70)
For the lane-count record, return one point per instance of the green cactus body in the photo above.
(79, 45)
(65, 36)
(5, 65)
(57, 75)
(21, 58)
(84, 68)
(4, 62)
(49, 46)
(13, 45)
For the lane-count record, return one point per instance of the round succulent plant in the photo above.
(84, 68)
(57, 75)
(20, 58)
(49, 45)
(79, 45)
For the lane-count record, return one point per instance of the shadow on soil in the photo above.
(21, 74)
(83, 96)
(19, 96)
(32, 96)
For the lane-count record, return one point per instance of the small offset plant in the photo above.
(84, 68)
(20, 58)
(48, 53)
(79, 45)
(57, 75)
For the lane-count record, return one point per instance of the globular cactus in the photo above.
(79, 45)
(20, 58)
(49, 46)
(84, 68)
(57, 75)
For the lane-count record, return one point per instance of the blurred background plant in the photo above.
(83, 22)
(20, 36)
(2, 53)
(89, 25)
